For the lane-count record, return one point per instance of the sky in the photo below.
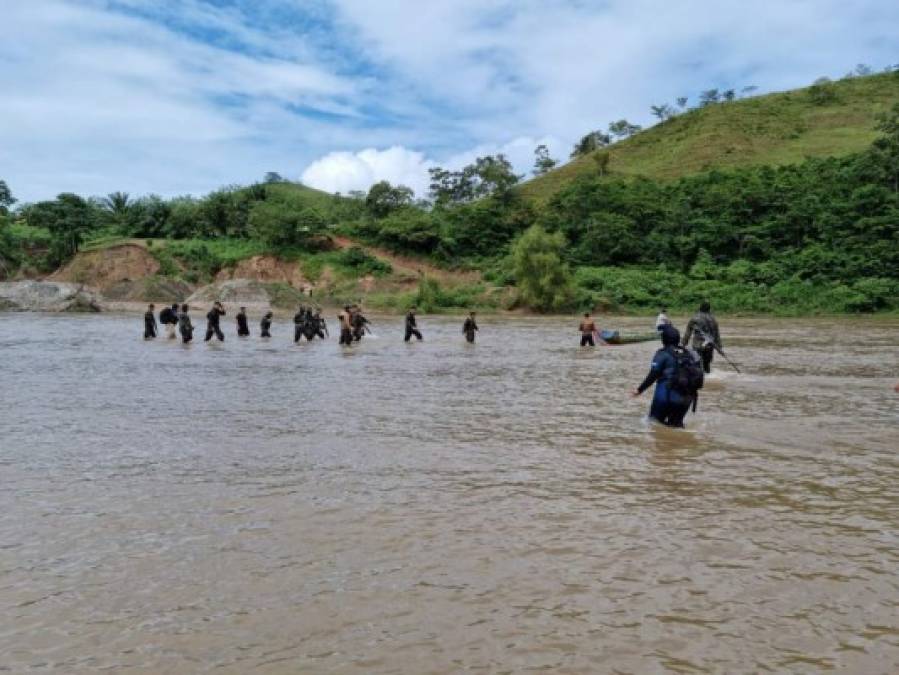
(177, 97)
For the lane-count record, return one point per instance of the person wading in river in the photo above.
(412, 326)
(185, 327)
(469, 328)
(265, 325)
(677, 374)
(149, 322)
(299, 322)
(662, 319)
(706, 338)
(345, 319)
(213, 322)
(243, 330)
(587, 328)
(168, 317)
(360, 323)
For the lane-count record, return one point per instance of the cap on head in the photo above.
(670, 336)
(705, 306)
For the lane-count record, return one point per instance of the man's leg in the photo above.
(707, 355)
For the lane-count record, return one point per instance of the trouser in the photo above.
(297, 333)
(707, 354)
(346, 336)
(587, 339)
(668, 407)
(170, 331)
(243, 331)
(214, 330)
(412, 331)
(187, 336)
(358, 333)
(469, 336)
(265, 333)
(149, 331)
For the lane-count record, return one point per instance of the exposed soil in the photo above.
(103, 269)
(412, 268)
(266, 269)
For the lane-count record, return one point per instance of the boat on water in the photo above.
(613, 337)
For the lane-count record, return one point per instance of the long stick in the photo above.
(717, 349)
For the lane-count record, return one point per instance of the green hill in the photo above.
(834, 119)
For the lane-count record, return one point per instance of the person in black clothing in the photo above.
(149, 323)
(411, 326)
(299, 321)
(265, 325)
(669, 406)
(243, 329)
(168, 317)
(321, 328)
(703, 327)
(213, 326)
(185, 326)
(470, 327)
(310, 326)
(359, 323)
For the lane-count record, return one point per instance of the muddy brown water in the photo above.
(443, 508)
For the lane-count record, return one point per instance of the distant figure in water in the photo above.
(345, 318)
(149, 323)
(662, 319)
(213, 326)
(470, 327)
(185, 327)
(168, 317)
(677, 375)
(359, 323)
(412, 326)
(299, 322)
(243, 330)
(265, 325)
(587, 328)
(703, 327)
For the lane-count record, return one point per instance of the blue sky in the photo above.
(184, 96)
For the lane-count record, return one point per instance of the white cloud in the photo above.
(346, 171)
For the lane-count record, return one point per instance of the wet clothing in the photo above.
(321, 328)
(299, 321)
(412, 328)
(668, 405)
(213, 326)
(185, 327)
(587, 328)
(149, 326)
(469, 328)
(168, 317)
(359, 322)
(264, 327)
(346, 328)
(706, 337)
(310, 327)
(242, 328)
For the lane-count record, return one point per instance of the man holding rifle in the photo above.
(703, 327)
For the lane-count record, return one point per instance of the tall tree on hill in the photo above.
(68, 218)
(383, 198)
(542, 277)
(543, 163)
(623, 129)
(6, 198)
(681, 102)
(662, 112)
(885, 149)
(590, 142)
(708, 97)
(729, 95)
(273, 177)
(490, 176)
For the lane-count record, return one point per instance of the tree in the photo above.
(863, 69)
(662, 112)
(68, 218)
(729, 95)
(383, 198)
(278, 224)
(6, 198)
(708, 97)
(490, 176)
(543, 163)
(543, 279)
(749, 90)
(623, 129)
(885, 149)
(591, 142)
(273, 177)
(681, 102)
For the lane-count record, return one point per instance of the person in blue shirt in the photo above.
(668, 405)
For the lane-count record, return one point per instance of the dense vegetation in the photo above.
(816, 235)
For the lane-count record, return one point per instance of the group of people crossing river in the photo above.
(308, 323)
(678, 368)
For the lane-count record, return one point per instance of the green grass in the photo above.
(776, 129)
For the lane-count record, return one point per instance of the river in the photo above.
(442, 507)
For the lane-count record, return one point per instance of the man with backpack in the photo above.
(678, 377)
(703, 327)
(168, 317)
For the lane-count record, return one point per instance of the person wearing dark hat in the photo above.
(265, 325)
(703, 328)
(677, 375)
(243, 330)
(168, 317)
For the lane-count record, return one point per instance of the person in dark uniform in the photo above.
(359, 323)
(243, 330)
(412, 326)
(310, 326)
(265, 325)
(470, 327)
(299, 321)
(168, 317)
(185, 327)
(321, 328)
(587, 328)
(669, 406)
(703, 328)
(213, 322)
(149, 323)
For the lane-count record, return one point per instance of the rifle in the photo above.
(710, 341)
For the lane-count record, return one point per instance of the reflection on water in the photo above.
(440, 507)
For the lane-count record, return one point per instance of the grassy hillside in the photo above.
(775, 129)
